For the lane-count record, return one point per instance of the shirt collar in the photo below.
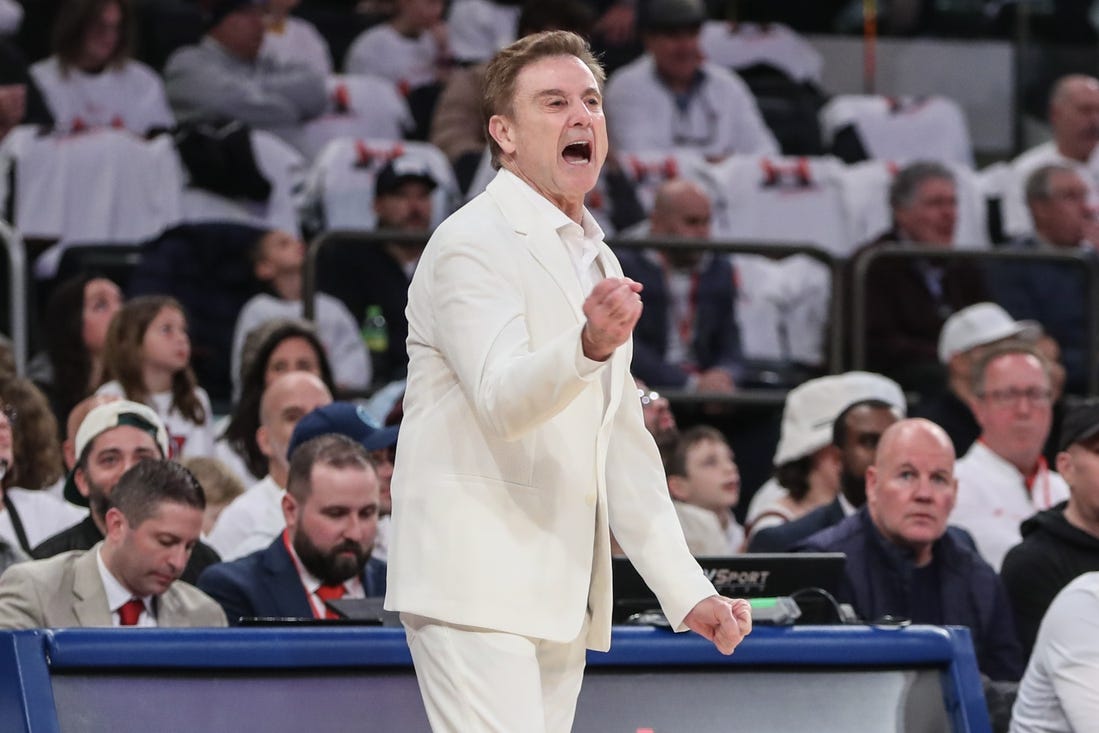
(117, 594)
(558, 220)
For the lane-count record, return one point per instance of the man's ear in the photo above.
(262, 442)
(80, 478)
(115, 522)
(677, 487)
(503, 132)
(289, 511)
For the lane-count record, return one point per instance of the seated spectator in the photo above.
(909, 299)
(72, 367)
(1057, 199)
(331, 513)
(372, 280)
(687, 336)
(1074, 123)
(1003, 479)
(128, 579)
(904, 562)
(290, 39)
(672, 98)
(273, 349)
(148, 354)
(659, 419)
(91, 81)
(254, 518)
(855, 434)
(410, 49)
(219, 484)
(807, 464)
(224, 77)
(966, 336)
(705, 487)
(30, 454)
(111, 438)
(1061, 542)
(279, 259)
(1057, 693)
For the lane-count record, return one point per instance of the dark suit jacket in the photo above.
(84, 535)
(904, 317)
(266, 584)
(716, 335)
(785, 536)
(362, 275)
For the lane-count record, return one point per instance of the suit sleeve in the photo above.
(643, 519)
(21, 605)
(480, 328)
(218, 583)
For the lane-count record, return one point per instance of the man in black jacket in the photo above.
(1062, 542)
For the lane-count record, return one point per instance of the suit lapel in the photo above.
(90, 599)
(544, 246)
(284, 583)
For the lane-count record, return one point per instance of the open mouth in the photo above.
(577, 153)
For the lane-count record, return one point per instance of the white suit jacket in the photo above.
(511, 465)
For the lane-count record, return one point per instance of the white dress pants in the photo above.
(477, 680)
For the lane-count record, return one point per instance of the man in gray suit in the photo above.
(128, 579)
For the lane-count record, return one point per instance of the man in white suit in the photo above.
(523, 444)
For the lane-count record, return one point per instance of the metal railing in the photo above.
(18, 297)
(863, 263)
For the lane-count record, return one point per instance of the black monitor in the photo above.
(761, 575)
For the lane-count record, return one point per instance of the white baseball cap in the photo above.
(980, 324)
(105, 417)
(813, 406)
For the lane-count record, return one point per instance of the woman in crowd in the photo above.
(276, 347)
(30, 466)
(78, 314)
(91, 81)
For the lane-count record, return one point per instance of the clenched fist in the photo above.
(612, 310)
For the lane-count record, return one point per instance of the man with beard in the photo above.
(372, 280)
(128, 579)
(107, 442)
(331, 511)
(855, 434)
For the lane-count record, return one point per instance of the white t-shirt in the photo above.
(298, 41)
(251, 521)
(1059, 692)
(477, 29)
(42, 515)
(336, 327)
(185, 438)
(993, 500)
(131, 97)
(704, 534)
(407, 62)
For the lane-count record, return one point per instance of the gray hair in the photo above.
(903, 191)
(1037, 183)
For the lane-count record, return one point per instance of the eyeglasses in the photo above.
(1013, 395)
(647, 398)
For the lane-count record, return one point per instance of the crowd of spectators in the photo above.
(977, 510)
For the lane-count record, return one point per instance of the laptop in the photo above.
(762, 575)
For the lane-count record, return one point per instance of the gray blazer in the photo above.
(66, 590)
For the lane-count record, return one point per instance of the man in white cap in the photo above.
(1004, 479)
(855, 435)
(807, 465)
(112, 439)
(965, 337)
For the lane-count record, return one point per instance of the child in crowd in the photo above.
(219, 484)
(279, 258)
(705, 486)
(148, 360)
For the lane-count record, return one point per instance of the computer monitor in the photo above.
(759, 575)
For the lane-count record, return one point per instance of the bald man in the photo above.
(1074, 122)
(255, 517)
(903, 561)
(687, 336)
